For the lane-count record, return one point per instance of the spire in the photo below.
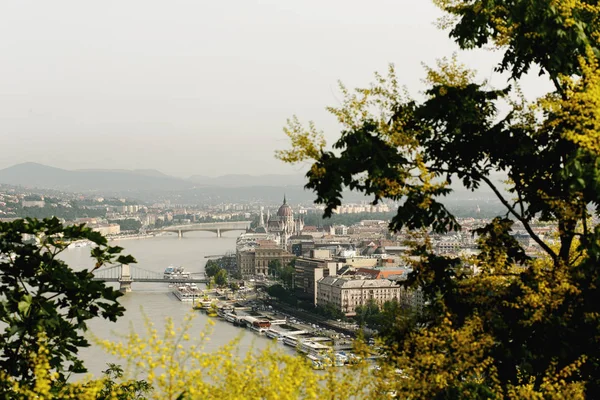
(261, 222)
(284, 200)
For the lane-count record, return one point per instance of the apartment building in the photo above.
(347, 294)
(309, 270)
(252, 261)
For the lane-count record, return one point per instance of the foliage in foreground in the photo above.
(526, 324)
(174, 365)
(41, 295)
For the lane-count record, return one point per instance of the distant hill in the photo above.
(43, 176)
(146, 181)
(150, 185)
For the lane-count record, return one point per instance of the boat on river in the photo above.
(78, 244)
(176, 272)
(185, 293)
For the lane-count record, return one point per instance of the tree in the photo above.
(212, 268)
(221, 278)
(329, 310)
(282, 294)
(274, 268)
(234, 287)
(368, 313)
(127, 390)
(287, 276)
(524, 326)
(277, 291)
(236, 275)
(395, 322)
(41, 295)
(128, 224)
(284, 273)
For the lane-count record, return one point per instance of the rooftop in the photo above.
(356, 283)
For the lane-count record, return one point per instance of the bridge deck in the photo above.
(157, 280)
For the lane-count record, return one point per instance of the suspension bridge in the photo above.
(125, 275)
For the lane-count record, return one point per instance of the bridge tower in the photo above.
(125, 279)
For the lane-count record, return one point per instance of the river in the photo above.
(155, 300)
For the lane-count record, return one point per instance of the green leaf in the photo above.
(25, 304)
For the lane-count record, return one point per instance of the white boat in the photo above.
(185, 293)
(293, 338)
(316, 362)
(229, 317)
(176, 272)
(314, 348)
(280, 321)
(290, 341)
(81, 243)
(272, 334)
(339, 361)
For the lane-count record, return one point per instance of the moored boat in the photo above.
(175, 272)
(260, 325)
(272, 334)
(229, 317)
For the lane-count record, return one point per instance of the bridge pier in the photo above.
(179, 233)
(125, 279)
(218, 233)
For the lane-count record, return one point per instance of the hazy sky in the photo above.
(194, 87)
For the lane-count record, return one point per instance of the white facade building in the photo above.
(347, 294)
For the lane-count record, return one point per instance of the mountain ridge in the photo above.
(31, 174)
(149, 185)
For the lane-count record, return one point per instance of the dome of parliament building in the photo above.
(285, 210)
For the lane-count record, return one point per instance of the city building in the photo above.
(361, 208)
(447, 246)
(357, 261)
(107, 229)
(33, 203)
(245, 262)
(412, 298)
(340, 230)
(380, 272)
(347, 294)
(267, 252)
(309, 270)
(254, 259)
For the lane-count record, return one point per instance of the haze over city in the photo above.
(189, 87)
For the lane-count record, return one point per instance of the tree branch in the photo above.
(584, 222)
(511, 210)
(525, 223)
(558, 86)
(23, 285)
(517, 187)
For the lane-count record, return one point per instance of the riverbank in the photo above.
(112, 238)
(341, 327)
(322, 346)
